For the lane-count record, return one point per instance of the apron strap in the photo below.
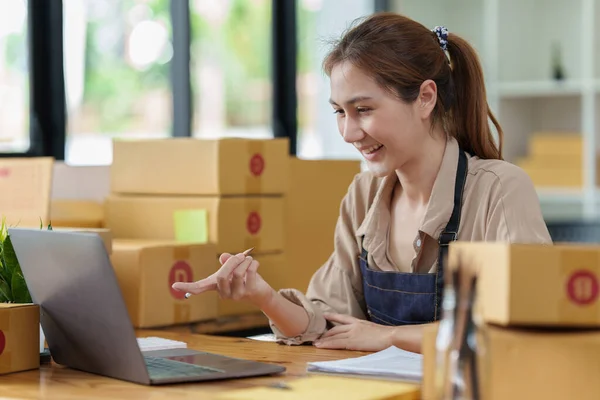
(450, 233)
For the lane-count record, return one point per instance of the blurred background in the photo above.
(76, 73)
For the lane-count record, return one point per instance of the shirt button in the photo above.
(418, 242)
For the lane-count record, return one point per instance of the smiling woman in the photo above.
(412, 102)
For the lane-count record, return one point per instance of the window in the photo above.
(14, 78)
(231, 68)
(117, 80)
(320, 22)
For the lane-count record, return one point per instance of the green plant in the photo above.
(13, 288)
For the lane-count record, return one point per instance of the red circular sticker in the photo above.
(582, 287)
(253, 223)
(257, 164)
(2, 342)
(180, 272)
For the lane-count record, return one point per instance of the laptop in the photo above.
(85, 320)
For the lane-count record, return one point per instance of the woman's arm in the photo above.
(289, 318)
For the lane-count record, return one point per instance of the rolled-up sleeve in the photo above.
(336, 286)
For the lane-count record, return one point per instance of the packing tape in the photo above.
(182, 312)
(256, 166)
(5, 320)
(580, 277)
(4, 329)
(254, 224)
(6, 364)
(181, 252)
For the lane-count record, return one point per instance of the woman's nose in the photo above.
(351, 131)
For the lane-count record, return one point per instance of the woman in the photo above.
(413, 103)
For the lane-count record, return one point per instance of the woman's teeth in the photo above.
(373, 148)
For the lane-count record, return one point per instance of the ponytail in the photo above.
(470, 111)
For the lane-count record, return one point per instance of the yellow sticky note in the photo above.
(330, 387)
(191, 225)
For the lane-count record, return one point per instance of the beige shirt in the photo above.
(499, 204)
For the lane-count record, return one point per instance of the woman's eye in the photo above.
(363, 109)
(340, 112)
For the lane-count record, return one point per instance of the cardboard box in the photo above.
(549, 365)
(537, 285)
(19, 337)
(274, 271)
(528, 364)
(555, 177)
(312, 207)
(147, 269)
(77, 213)
(228, 166)
(428, 389)
(25, 186)
(562, 144)
(234, 223)
(80, 182)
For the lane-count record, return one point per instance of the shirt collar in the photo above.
(374, 226)
(441, 202)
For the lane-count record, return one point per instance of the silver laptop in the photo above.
(85, 320)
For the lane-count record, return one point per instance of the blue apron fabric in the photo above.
(397, 298)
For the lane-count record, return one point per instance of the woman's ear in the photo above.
(427, 98)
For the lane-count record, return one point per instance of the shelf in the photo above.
(558, 194)
(539, 88)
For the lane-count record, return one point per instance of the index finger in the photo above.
(339, 318)
(197, 287)
(232, 263)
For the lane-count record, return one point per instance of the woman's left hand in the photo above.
(355, 334)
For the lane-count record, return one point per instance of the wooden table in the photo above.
(57, 382)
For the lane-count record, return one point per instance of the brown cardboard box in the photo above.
(234, 223)
(273, 270)
(199, 166)
(19, 337)
(528, 364)
(549, 365)
(537, 285)
(25, 186)
(312, 207)
(429, 361)
(77, 213)
(562, 144)
(554, 177)
(147, 269)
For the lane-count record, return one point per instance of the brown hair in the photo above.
(401, 54)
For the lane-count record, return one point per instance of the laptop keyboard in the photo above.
(160, 368)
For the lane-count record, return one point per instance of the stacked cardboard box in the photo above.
(77, 196)
(555, 160)
(227, 193)
(540, 310)
(312, 205)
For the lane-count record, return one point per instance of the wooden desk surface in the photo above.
(57, 382)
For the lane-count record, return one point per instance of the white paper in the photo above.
(391, 363)
(156, 343)
(267, 337)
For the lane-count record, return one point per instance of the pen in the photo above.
(245, 253)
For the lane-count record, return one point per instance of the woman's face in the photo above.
(387, 131)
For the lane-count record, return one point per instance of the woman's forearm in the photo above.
(408, 337)
(291, 319)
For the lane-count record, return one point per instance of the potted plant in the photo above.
(13, 288)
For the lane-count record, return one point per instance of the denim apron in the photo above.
(398, 298)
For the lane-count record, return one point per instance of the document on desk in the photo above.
(389, 363)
